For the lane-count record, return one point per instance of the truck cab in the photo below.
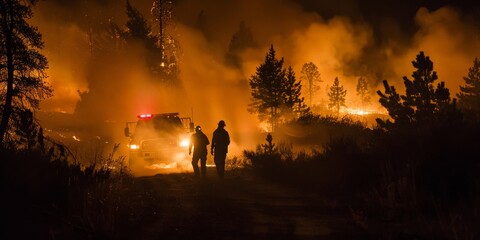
(158, 140)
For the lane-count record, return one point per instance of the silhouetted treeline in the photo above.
(420, 166)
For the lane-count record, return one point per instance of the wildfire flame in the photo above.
(265, 126)
(357, 111)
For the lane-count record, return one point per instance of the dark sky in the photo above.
(377, 12)
(373, 9)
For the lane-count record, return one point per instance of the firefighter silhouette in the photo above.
(219, 148)
(199, 142)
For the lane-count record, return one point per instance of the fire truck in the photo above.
(158, 140)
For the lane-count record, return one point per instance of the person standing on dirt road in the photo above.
(199, 142)
(219, 148)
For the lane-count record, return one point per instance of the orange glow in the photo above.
(96, 88)
(357, 111)
(145, 116)
(265, 126)
(134, 147)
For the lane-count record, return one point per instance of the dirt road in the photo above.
(240, 206)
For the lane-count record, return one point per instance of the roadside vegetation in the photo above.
(418, 182)
(415, 174)
(47, 194)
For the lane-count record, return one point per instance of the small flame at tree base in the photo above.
(357, 111)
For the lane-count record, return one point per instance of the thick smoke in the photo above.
(116, 89)
(451, 42)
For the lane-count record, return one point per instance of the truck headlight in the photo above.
(134, 147)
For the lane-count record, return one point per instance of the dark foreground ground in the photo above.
(241, 207)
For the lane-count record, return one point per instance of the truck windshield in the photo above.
(158, 127)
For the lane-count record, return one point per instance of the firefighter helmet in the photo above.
(221, 123)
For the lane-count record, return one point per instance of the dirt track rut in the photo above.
(238, 207)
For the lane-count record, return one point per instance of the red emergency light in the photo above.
(143, 116)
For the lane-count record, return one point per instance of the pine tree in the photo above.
(294, 103)
(311, 76)
(267, 89)
(201, 23)
(391, 100)
(469, 95)
(422, 103)
(269, 147)
(139, 32)
(362, 91)
(162, 11)
(240, 41)
(138, 29)
(420, 91)
(337, 96)
(167, 41)
(22, 70)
